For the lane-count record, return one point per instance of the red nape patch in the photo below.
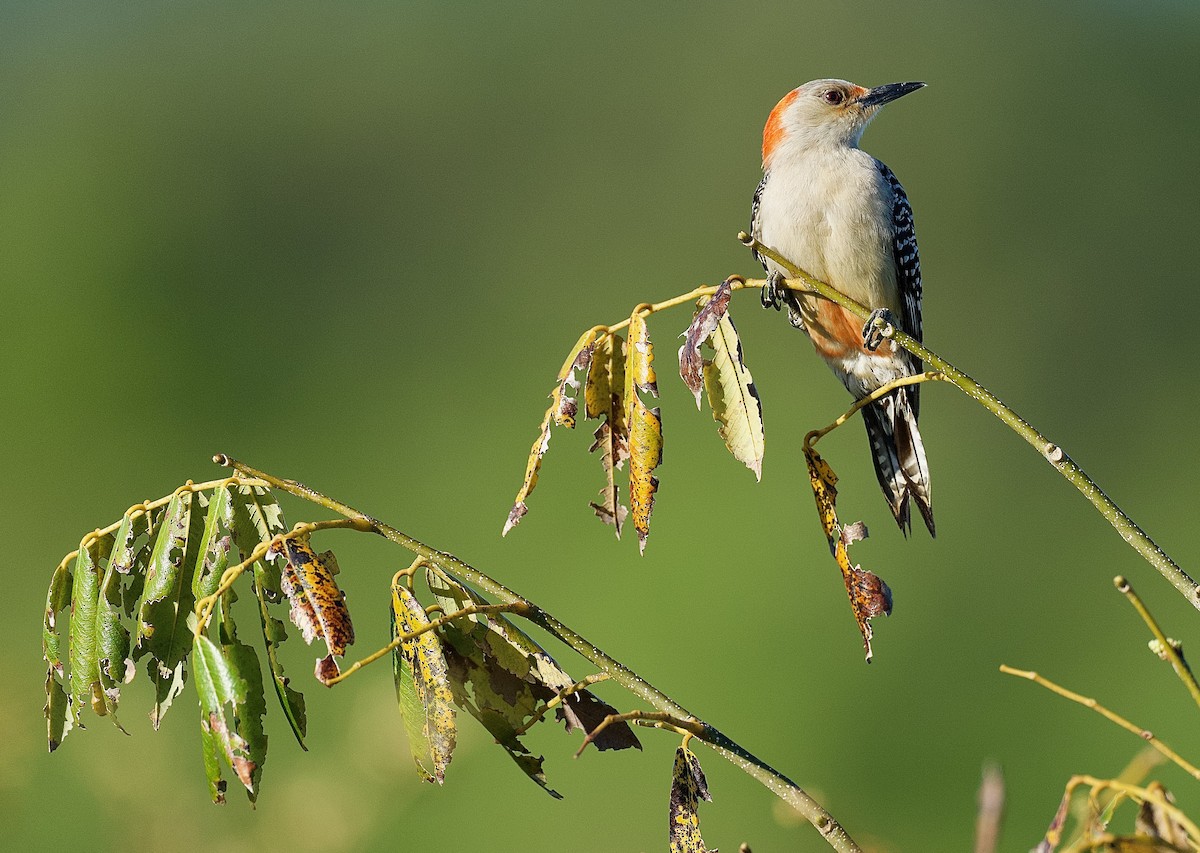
(773, 131)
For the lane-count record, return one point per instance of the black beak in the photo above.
(881, 95)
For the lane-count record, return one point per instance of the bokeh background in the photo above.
(351, 244)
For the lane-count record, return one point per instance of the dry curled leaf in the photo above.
(318, 606)
(688, 788)
(645, 427)
(562, 411)
(603, 398)
(691, 363)
(869, 595)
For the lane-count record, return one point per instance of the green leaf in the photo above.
(258, 518)
(167, 600)
(130, 556)
(688, 787)
(422, 688)
(60, 715)
(232, 704)
(266, 589)
(84, 652)
(216, 544)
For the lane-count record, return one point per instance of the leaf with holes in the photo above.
(645, 427)
(231, 706)
(318, 606)
(167, 601)
(704, 323)
(422, 688)
(562, 411)
(869, 595)
(603, 398)
(258, 518)
(60, 713)
(736, 406)
(84, 653)
(128, 562)
(688, 788)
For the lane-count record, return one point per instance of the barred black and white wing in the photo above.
(899, 452)
(755, 224)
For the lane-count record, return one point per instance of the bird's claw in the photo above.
(881, 324)
(773, 291)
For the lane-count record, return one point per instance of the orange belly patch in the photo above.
(836, 332)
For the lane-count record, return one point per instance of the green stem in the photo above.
(776, 782)
(1051, 452)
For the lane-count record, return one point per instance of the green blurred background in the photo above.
(351, 244)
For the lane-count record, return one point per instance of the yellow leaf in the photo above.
(423, 688)
(688, 788)
(869, 595)
(736, 406)
(562, 411)
(645, 427)
(603, 398)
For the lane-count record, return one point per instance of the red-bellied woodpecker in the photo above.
(841, 215)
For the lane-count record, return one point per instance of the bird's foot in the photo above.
(773, 291)
(881, 324)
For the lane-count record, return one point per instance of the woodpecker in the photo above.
(842, 216)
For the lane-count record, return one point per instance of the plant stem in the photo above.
(1113, 514)
(1088, 702)
(747, 762)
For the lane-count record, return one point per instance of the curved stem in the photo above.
(743, 759)
(1113, 514)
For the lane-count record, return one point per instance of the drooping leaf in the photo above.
(688, 788)
(167, 600)
(318, 606)
(645, 427)
(603, 398)
(130, 557)
(422, 688)
(869, 595)
(84, 650)
(258, 518)
(704, 323)
(520, 672)
(735, 403)
(231, 703)
(60, 715)
(216, 544)
(562, 411)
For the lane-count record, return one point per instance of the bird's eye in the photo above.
(833, 97)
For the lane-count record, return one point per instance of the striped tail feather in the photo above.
(899, 456)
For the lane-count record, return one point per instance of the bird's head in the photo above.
(826, 113)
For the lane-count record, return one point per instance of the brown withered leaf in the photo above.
(318, 606)
(688, 788)
(691, 363)
(869, 595)
(562, 411)
(1157, 823)
(645, 427)
(603, 398)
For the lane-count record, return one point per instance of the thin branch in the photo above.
(743, 759)
(1055, 455)
(882, 391)
(1166, 648)
(1088, 702)
(469, 610)
(650, 719)
(1153, 794)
